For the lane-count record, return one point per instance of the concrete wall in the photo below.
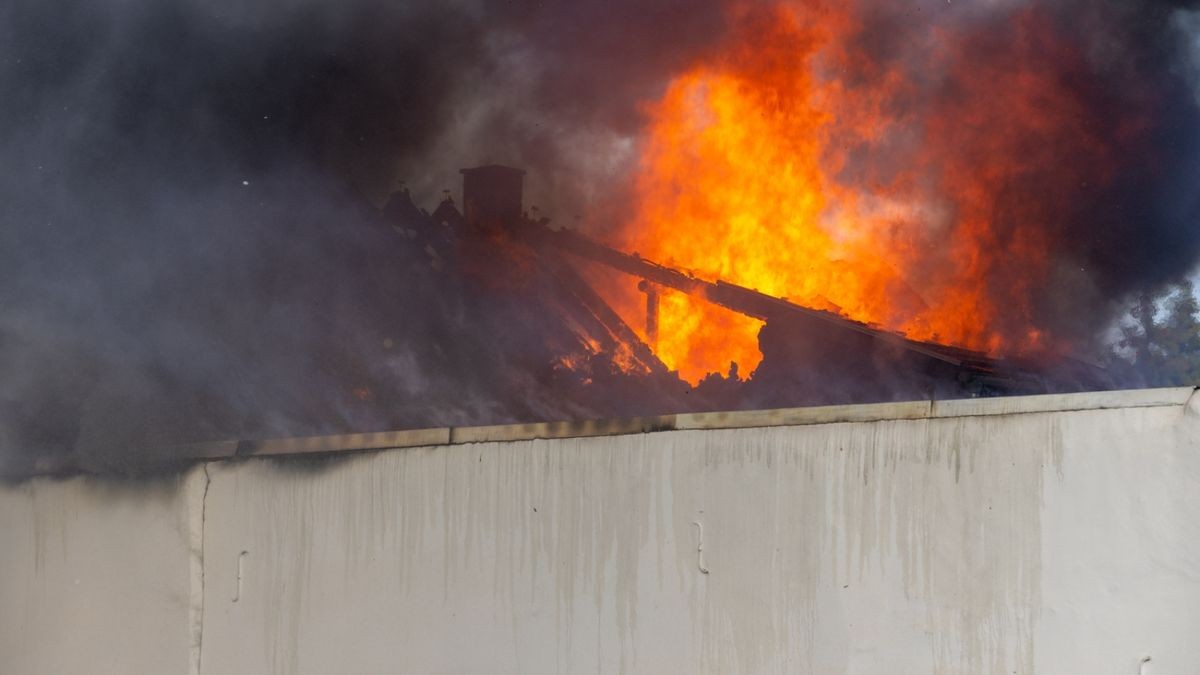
(97, 577)
(1028, 535)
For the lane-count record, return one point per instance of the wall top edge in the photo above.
(743, 419)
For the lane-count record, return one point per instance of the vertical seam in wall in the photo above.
(197, 596)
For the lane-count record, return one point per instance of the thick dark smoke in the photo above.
(1140, 229)
(188, 248)
(1109, 140)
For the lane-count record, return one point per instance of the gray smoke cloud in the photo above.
(187, 251)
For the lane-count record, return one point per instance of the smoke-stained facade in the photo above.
(1025, 534)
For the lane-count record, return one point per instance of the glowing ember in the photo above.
(788, 163)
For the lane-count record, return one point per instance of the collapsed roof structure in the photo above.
(477, 314)
(810, 356)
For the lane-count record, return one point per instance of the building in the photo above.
(1039, 534)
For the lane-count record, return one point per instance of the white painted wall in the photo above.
(97, 577)
(964, 541)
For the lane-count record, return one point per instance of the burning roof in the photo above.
(856, 201)
(943, 191)
(814, 351)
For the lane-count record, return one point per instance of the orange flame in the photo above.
(761, 166)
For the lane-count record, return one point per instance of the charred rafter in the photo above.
(741, 299)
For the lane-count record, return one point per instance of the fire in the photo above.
(790, 162)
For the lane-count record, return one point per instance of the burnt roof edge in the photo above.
(747, 419)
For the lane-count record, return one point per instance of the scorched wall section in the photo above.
(1033, 535)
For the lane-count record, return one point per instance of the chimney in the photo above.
(492, 196)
